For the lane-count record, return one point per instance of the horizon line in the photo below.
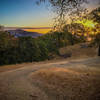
(28, 27)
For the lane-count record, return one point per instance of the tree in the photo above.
(1, 28)
(7, 48)
(77, 30)
(96, 18)
(65, 8)
(97, 42)
(96, 15)
(43, 50)
(28, 49)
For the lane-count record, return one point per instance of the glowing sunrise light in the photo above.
(87, 23)
(43, 31)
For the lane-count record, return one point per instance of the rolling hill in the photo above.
(22, 33)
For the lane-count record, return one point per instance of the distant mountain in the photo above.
(22, 33)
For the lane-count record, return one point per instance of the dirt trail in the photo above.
(17, 85)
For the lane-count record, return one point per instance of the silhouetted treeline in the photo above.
(28, 49)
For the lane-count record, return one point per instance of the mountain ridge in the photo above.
(22, 33)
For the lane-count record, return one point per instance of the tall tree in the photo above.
(96, 18)
(65, 8)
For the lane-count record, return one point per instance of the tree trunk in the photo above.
(99, 50)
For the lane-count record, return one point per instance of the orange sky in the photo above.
(43, 31)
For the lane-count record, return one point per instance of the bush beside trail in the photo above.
(27, 49)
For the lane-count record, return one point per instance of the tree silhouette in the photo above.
(96, 18)
(65, 8)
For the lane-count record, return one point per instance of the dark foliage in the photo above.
(27, 49)
(97, 42)
(96, 17)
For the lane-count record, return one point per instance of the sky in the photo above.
(25, 13)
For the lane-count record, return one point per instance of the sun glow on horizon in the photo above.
(43, 31)
(87, 23)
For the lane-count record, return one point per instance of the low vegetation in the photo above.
(27, 49)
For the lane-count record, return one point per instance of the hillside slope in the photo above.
(81, 50)
(73, 80)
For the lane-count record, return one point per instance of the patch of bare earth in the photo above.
(79, 83)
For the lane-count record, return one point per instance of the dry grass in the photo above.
(78, 52)
(69, 83)
(12, 67)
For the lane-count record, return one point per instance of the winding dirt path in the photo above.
(17, 85)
